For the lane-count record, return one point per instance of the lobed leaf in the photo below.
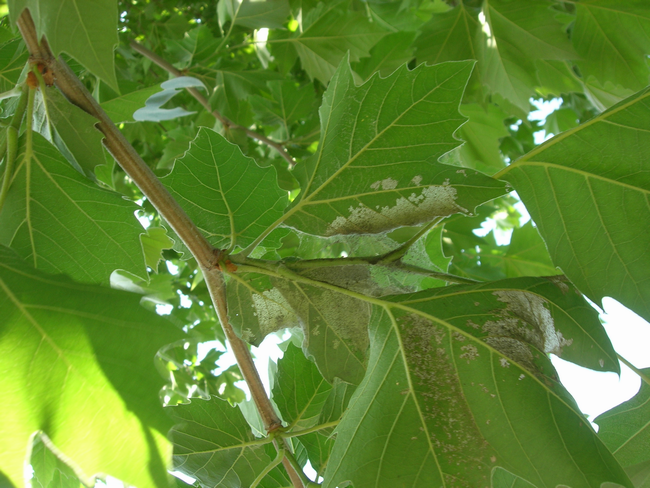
(76, 363)
(375, 168)
(460, 408)
(328, 32)
(214, 444)
(229, 197)
(587, 190)
(300, 391)
(70, 129)
(63, 223)
(87, 31)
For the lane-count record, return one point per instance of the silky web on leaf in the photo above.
(273, 313)
(434, 201)
(526, 321)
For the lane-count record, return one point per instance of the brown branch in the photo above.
(206, 104)
(206, 255)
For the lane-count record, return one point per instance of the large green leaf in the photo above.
(214, 444)
(229, 197)
(587, 190)
(63, 223)
(625, 429)
(375, 168)
(613, 39)
(76, 362)
(329, 32)
(335, 324)
(87, 31)
(449, 36)
(559, 320)
(461, 406)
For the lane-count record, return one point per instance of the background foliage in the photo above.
(342, 153)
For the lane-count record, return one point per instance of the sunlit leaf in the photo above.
(613, 39)
(77, 363)
(328, 33)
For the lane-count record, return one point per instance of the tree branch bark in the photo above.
(206, 255)
(206, 104)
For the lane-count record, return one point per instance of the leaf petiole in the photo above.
(278, 459)
(12, 144)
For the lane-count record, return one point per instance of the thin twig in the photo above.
(226, 122)
(205, 254)
(398, 253)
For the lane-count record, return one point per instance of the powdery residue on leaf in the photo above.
(533, 309)
(387, 184)
(273, 313)
(432, 202)
(525, 321)
(457, 441)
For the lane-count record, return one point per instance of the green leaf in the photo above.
(504, 479)
(460, 406)
(154, 240)
(81, 355)
(257, 308)
(196, 46)
(387, 55)
(613, 39)
(481, 134)
(254, 14)
(71, 130)
(63, 223)
(300, 390)
(587, 191)
(449, 36)
(87, 31)
(527, 255)
(13, 57)
(625, 430)
(563, 323)
(235, 87)
(229, 197)
(375, 168)
(329, 32)
(290, 104)
(513, 36)
(334, 324)
(214, 444)
(640, 474)
(121, 109)
(50, 471)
